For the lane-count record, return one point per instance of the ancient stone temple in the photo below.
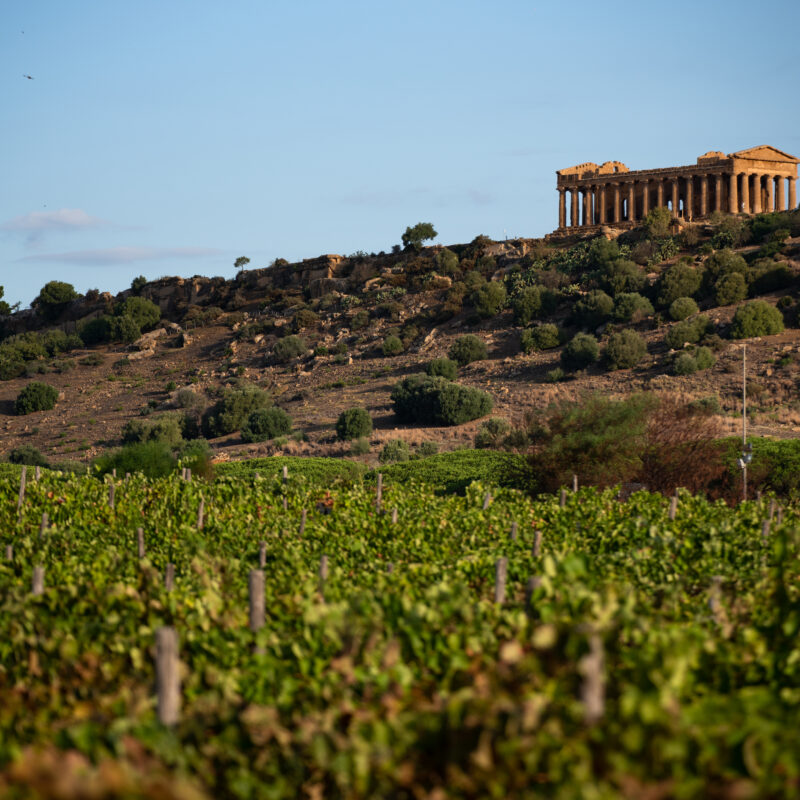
(747, 182)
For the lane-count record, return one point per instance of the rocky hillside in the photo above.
(335, 332)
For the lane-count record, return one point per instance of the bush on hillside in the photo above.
(165, 429)
(730, 289)
(394, 451)
(631, 307)
(581, 351)
(593, 309)
(491, 433)
(687, 332)
(446, 261)
(359, 320)
(625, 349)
(229, 413)
(682, 308)
(143, 312)
(489, 299)
(392, 346)
(53, 299)
(540, 337)
(623, 275)
(153, 459)
(466, 349)
(27, 454)
(288, 348)
(657, 223)
(436, 401)
(532, 302)
(354, 423)
(680, 280)
(264, 424)
(444, 367)
(757, 318)
(35, 397)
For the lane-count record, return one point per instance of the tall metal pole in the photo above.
(744, 421)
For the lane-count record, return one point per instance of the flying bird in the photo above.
(29, 77)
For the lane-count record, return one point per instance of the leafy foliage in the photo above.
(353, 423)
(445, 367)
(417, 234)
(540, 337)
(53, 299)
(266, 423)
(631, 307)
(467, 348)
(392, 346)
(757, 318)
(36, 396)
(682, 308)
(625, 349)
(581, 351)
(288, 348)
(688, 331)
(436, 401)
(229, 413)
(395, 450)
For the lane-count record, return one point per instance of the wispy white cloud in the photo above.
(35, 225)
(123, 255)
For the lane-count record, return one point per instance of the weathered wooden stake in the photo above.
(201, 514)
(486, 500)
(43, 525)
(168, 681)
(771, 508)
(394, 516)
(111, 495)
(765, 529)
(379, 493)
(256, 600)
(673, 506)
(262, 555)
(513, 534)
(140, 542)
(183, 473)
(285, 504)
(114, 473)
(303, 516)
(38, 473)
(593, 691)
(21, 498)
(256, 476)
(285, 475)
(9, 552)
(323, 574)
(127, 477)
(37, 585)
(189, 474)
(563, 499)
(574, 482)
(537, 544)
(169, 577)
(779, 515)
(500, 574)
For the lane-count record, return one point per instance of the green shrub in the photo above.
(353, 424)
(680, 280)
(757, 318)
(288, 348)
(687, 332)
(266, 423)
(593, 309)
(29, 455)
(359, 320)
(466, 349)
(153, 459)
(767, 276)
(682, 308)
(125, 329)
(444, 367)
(165, 428)
(540, 337)
(137, 284)
(436, 401)
(623, 275)
(305, 318)
(229, 413)
(415, 235)
(96, 331)
(427, 449)
(657, 223)
(532, 302)
(555, 375)
(489, 299)
(395, 450)
(625, 349)
(581, 351)
(684, 364)
(446, 261)
(35, 397)
(491, 433)
(143, 312)
(360, 446)
(392, 346)
(11, 364)
(705, 357)
(631, 307)
(730, 288)
(53, 299)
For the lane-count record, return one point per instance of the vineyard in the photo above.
(405, 643)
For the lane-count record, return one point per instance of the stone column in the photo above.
(733, 195)
(704, 195)
(746, 193)
(718, 194)
(792, 194)
(586, 204)
(660, 194)
(770, 193)
(602, 200)
(675, 197)
(689, 211)
(780, 201)
(631, 201)
(645, 199)
(616, 213)
(756, 194)
(562, 208)
(573, 220)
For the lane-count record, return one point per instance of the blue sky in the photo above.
(170, 137)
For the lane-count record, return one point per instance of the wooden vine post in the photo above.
(563, 499)
(169, 577)
(37, 583)
(379, 493)
(323, 574)
(500, 575)
(513, 533)
(262, 555)
(201, 514)
(593, 694)
(21, 496)
(140, 542)
(168, 682)
(43, 526)
(256, 589)
(303, 517)
(537, 544)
